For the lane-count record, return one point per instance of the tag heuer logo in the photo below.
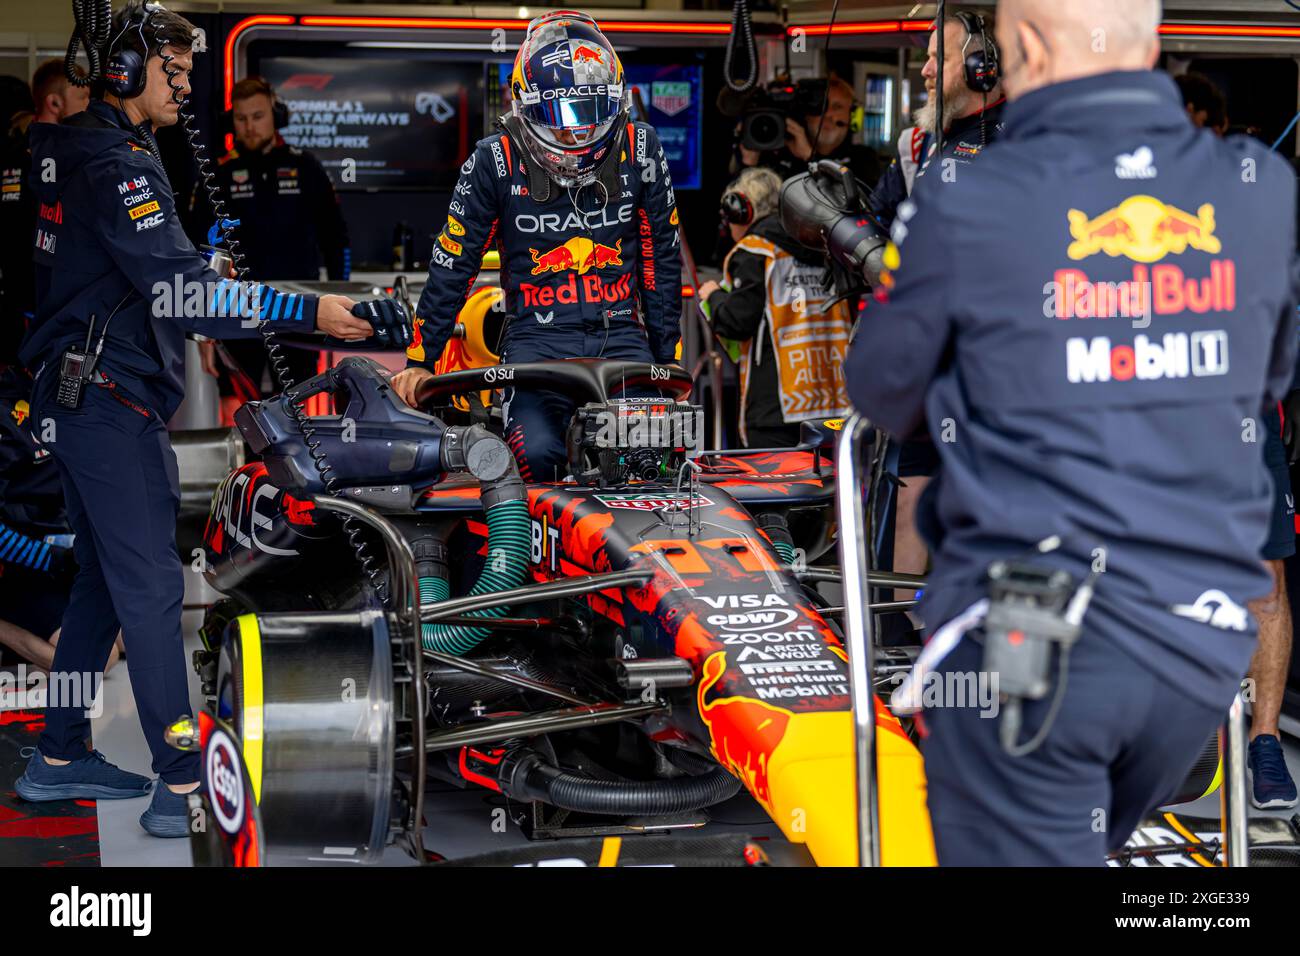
(670, 98)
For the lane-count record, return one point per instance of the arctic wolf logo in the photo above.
(1215, 609)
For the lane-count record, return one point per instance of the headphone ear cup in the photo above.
(280, 114)
(124, 76)
(980, 76)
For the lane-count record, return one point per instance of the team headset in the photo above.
(279, 111)
(983, 67)
(124, 76)
(737, 209)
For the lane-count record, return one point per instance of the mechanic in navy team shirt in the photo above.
(1122, 305)
(113, 263)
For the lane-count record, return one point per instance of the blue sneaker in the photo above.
(1271, 786)
(90, 778)
(168, 814)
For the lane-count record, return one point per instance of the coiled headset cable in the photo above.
(272, 345)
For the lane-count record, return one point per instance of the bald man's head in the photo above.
(1050, 41)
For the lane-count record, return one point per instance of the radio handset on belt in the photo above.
(77, 365)
(1032, 611)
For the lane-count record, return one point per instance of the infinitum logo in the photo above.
(77, 909)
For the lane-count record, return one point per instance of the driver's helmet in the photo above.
(568, 90)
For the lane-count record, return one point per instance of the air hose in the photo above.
(501, 491)
(525, 775)
(774, 525)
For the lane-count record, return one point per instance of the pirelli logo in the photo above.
(144, 210)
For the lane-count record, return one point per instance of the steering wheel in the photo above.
(581, 379)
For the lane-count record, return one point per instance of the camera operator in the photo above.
(107, 350)
(289, 214)
(828, 127)
(772, 295)
(1087, 458)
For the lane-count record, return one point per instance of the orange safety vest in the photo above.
(808, 342)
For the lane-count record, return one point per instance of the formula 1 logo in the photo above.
(579, 253)
(1144, 229)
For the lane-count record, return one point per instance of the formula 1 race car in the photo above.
(614, 653)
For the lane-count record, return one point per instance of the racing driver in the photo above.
(579, 202)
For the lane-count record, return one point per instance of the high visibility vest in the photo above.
(808, 342)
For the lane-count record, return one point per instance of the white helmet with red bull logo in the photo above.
(569, 93)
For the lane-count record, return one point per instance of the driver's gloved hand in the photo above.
(390, 320)
(1291, 425)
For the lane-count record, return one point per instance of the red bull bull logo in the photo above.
(1143, 229)
(585, 54)
(580, 254)
(743, 732)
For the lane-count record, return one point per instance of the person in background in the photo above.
(54, 98)
(36, 562)
(290, 220)
(829, 130)
(771, 301)
(1205, 102)
(973, 100)
(1271, 784)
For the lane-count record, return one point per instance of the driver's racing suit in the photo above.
(584, 276)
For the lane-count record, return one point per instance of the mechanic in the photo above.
(829, 129)
(36, 562)
(773, 294)
(1271, 784)
(973, 100)
(54, 98)
(579, 202)
(289, 215)
(1097, 422)
(110, 252)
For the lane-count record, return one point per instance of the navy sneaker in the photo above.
(90, 778)
(1271, 785)
(168, 814)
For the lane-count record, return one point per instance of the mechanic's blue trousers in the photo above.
(537, 420)
(122, 491)
(1123, 742)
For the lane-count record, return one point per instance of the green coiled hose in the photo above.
(509, 538)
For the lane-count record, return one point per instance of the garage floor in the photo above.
(460, 822)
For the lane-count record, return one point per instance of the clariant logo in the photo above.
(1174, 355)
(77, 909)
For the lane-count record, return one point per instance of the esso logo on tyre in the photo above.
(757, 620)
(225, 782)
